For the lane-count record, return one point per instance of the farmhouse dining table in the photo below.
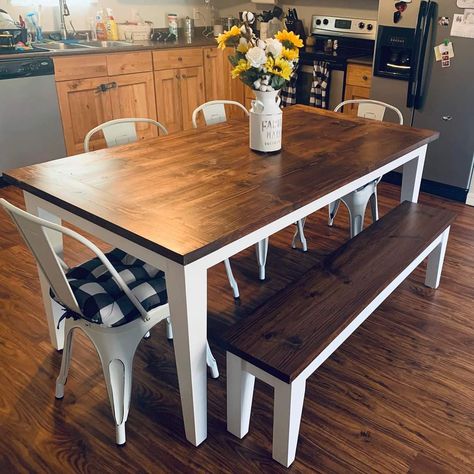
(186, 202)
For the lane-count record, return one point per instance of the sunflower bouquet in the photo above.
(262, 65)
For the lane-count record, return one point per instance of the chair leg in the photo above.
(262, 252)
(299, 234)
(210, 359)
(240, 385)
(435, 262)
(287, 410)
(333, 208)
(374, 206)
(232, 280)
(65, 362)
(169, 329)
(212, 363)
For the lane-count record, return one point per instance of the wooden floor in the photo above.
(397, 397)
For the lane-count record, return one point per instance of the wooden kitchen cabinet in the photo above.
(168, 101)
(124, 88)
(83, 108)
(358, 85)
(134, 96)
(219, 83)
(178, 93)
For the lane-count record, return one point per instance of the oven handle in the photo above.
(412, 83)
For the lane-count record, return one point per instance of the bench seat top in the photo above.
(285, 334)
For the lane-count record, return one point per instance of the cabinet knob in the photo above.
(180, 59)
(177, 76)
(184, 76)
(365, 77)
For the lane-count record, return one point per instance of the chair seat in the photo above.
(102, 301)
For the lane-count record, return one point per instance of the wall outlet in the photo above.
(196, 14)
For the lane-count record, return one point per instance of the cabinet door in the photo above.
(234, 88)
(192, 93)
(83, 106)
(354, 93)
(213, 74)
(134, 97)
(168, 100)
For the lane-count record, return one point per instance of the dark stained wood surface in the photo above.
(397, 397)
(188, 194)
(288, 332)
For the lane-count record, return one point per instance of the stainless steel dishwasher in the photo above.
(30, 123)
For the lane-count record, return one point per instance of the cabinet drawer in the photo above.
(80, 67)
(129, 63)
(359, 75)
(177, 58)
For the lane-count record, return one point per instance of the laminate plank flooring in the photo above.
(397, 397)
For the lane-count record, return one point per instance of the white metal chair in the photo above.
(116, 342)
(123, 131)
(214, 112)
(356, 202)
(120, 131)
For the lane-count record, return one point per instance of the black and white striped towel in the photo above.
(319, 95)
(288, 93)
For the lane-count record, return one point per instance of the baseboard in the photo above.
(470, 199)
(3, 182)
(432, 187)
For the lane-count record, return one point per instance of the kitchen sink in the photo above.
(101, 44)
(59, 46)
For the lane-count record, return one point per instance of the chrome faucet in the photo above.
(63, 12)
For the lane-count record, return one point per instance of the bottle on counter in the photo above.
(100, 27)
(173, 24)
(111, 26)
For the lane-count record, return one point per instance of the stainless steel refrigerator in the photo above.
(407, 75)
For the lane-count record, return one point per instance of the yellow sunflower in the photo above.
(243, 48)
(241, 67)
(279, 67)
(227, 35)
(289, 40)
(290, 54)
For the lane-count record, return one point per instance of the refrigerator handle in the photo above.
(429, 24)
(416, 55)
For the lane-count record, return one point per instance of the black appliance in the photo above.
(395, 52)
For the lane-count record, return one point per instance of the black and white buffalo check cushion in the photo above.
(102, 301)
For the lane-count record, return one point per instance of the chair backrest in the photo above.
(214, 111)
(33, 230)
(371, 109)
(120, 131)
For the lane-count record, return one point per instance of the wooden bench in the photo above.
(290, 336)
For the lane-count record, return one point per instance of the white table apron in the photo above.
(187, 284)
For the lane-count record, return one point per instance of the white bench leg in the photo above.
(435, 262)
(287, 410)
(240, 386)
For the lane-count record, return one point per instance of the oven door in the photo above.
(336, 84)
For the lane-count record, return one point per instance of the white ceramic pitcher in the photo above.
(266, 120)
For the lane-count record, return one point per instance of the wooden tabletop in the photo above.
(188, 194)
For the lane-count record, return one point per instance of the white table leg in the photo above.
(52, 309)
(411, 179)
(187, 296)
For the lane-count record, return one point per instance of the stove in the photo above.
(354, 37)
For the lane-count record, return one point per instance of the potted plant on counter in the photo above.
(266, 67)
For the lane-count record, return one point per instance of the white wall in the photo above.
(307, 8)
(82, 10)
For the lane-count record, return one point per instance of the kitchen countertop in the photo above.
(197, 41)
(365, 60)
